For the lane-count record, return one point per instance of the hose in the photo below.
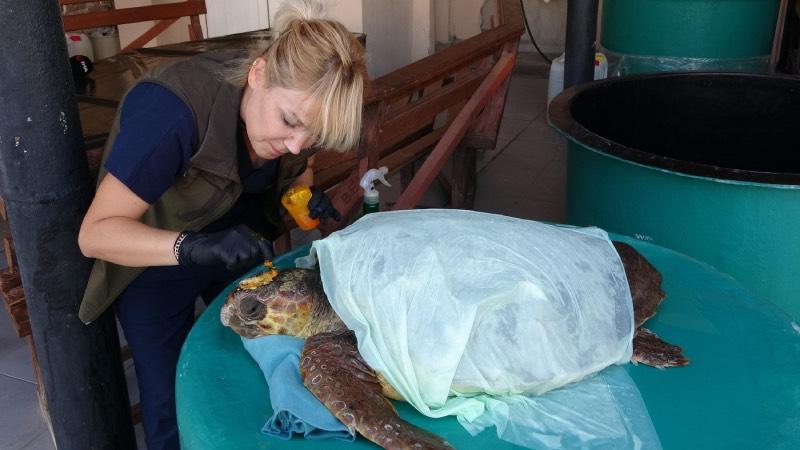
(530, 35)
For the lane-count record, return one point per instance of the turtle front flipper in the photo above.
(649, 349)
(335, 373)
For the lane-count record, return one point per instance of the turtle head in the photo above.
(273, 303)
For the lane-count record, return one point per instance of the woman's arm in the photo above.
(111, 229)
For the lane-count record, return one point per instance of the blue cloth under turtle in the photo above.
(295, 410)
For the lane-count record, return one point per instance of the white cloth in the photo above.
(463, 312)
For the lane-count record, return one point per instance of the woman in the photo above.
(193, 170)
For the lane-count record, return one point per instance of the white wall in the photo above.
(457, 19)
(228, 17)
(398, 33)
(548, 22)
(422, 32)
(461, 19)
(349, 12)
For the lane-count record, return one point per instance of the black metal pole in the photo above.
(45, 183)
(581, 34)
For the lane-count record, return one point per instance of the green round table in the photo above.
(741, 391)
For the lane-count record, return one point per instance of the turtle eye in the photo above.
(250, 308)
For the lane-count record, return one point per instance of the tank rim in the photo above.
(560, 117)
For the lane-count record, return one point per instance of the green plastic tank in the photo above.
(705, 164)
(679, 35)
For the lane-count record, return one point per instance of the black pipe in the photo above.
(45, 183)
(581, 34)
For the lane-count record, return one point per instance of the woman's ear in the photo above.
(257, 76)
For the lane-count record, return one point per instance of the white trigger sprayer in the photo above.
(371, 195)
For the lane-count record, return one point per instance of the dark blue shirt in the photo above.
(154, 146)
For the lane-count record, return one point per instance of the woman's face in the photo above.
(275, 119)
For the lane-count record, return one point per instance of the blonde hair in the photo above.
(320, 56)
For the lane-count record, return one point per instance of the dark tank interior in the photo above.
(742, 126)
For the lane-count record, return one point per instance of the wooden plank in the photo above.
(133, 15)
(74, 2)
(150, 34)
(400, 158)
(777, 38)
(455, 132)
(14, 301)
(421, 113)
(9, 279)
(483, 133)
(462, 182)
(11, 256)
(195, 30)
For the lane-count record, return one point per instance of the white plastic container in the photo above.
(105, 42)
(79, 44)
(556, 82)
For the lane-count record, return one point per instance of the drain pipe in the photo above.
(581, 35)
(45, 183)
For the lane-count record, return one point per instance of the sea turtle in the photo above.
(293, 302)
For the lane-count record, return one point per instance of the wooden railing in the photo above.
(444, 106)
(165, 14)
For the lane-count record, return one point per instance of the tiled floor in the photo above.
(524, 176)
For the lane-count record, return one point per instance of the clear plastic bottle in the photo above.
(295, 200)
(372, 201)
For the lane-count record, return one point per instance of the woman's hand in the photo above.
(236, 249)
(320, 206)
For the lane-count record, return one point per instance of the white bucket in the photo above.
(105, 42)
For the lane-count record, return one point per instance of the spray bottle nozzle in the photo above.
(372, 176)
(371, 196)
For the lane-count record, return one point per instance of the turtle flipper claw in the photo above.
(335, 373)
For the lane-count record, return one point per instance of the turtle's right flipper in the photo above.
(335, 373)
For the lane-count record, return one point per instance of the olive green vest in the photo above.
(211, 183)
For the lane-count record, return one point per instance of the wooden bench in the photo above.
(444, 106)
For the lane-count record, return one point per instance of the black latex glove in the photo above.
(320, 206)
(236, 249)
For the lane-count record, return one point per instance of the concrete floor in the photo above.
(524, 176)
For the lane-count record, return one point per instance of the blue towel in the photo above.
(295, 410)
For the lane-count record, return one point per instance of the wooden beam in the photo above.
(483, 133)
(150, 34)
(421, 113)
(133, 15)
(455, 132)
(195, 30)
(74, 2)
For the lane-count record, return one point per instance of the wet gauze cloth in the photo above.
(457, 308)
